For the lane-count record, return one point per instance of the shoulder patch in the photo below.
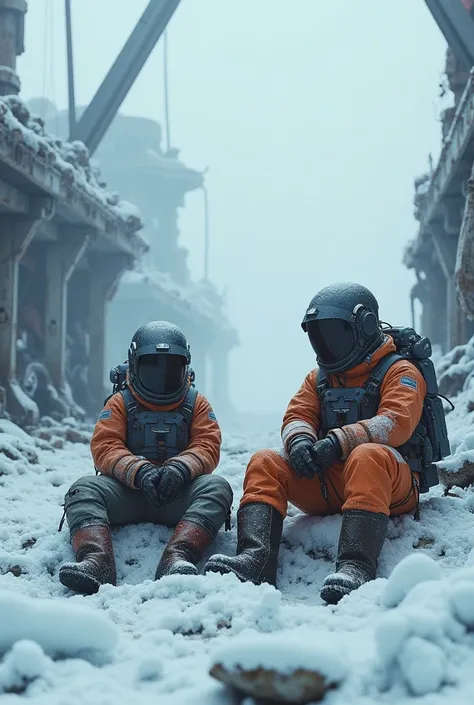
(105, 414)
(211, 416)
(409, 382)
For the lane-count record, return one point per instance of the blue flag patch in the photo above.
(211, 416)
(106, 414)
(409, 382)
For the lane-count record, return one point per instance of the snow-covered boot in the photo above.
(92, 546)
(184, 550)
(259, 528)
(360, 542)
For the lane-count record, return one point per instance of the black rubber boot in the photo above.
(184, 550)
(360, 542)
(92, 546)
(259, 528)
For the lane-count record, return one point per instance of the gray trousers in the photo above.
(100, 499)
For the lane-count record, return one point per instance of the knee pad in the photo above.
(219, 485)
(84, 488)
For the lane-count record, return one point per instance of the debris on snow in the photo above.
(68, 429)
(59, 627)
(286, 667)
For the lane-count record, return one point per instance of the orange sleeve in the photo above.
(109, 452)
(202, 455)
(402, 396)
(303, 413)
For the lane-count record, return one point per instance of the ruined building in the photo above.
(442, 254)
(66, 242)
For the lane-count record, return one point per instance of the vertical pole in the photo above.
(70, 70)
(165, 85)
(206, 234)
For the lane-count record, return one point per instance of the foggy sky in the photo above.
(314, 122)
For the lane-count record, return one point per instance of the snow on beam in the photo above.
(63, 170)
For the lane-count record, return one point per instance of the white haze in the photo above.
(314, 117)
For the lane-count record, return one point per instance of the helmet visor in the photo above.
(161, 374)
(332, 339)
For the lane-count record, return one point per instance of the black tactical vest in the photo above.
(341, 406)
(158, 435)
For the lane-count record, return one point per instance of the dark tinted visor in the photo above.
(332, 339)
(161, 374)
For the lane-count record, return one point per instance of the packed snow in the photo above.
(410, 633)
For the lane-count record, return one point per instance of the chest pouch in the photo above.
(342, 406)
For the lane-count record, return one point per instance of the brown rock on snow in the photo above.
(458, 478)
(300, 687)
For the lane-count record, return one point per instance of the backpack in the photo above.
(118, 377)
(429, 442)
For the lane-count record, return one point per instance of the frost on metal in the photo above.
(464, 273)
(70, 158)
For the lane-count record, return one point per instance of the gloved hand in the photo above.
(301, 460)
(173, 481)
(148, 480)
(326, 452)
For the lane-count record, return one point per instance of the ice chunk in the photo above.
(25, 662)
(422, 665)
(413, 569)
(58, 627)
(462, 601)
(390, 634)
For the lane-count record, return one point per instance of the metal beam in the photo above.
(12, 200)
(99, 114)
(457, 26)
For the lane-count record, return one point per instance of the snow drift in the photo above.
(405, 635)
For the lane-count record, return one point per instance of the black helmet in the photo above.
(342, 322)
(158, 362)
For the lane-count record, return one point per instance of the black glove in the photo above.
(173, 481)
(300, 456)
(326, 452)
(148, 480)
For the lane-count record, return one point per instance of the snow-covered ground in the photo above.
(154, 642)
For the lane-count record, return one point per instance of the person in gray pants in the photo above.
(156, 444)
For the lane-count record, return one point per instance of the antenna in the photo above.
(165, 89)
(70, 69)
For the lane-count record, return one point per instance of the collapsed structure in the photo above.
(442, 254)
(65, 243)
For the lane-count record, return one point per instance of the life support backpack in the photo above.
(429, 442)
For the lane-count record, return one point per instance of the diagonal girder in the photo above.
(99, 114)
(457, 26)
